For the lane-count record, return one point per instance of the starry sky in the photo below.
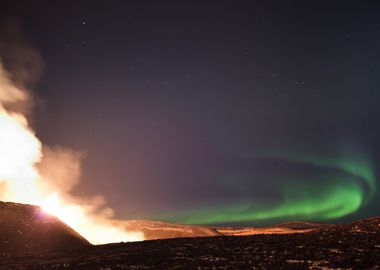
(225, 112)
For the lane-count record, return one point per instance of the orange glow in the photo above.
(25, 179)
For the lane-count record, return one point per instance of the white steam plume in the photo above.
(33, 173)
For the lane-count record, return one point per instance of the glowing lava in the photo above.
(48, 186)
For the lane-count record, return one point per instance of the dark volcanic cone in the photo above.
(27, 228)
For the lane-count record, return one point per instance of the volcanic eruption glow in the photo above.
(35, 174)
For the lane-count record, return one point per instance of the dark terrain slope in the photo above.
(27, 228)
(350, 246)
(300, 225)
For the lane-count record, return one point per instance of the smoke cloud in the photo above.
(34, 173)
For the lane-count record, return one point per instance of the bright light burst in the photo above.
(20, 181)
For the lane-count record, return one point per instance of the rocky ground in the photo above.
(26, 228)
(351, 246)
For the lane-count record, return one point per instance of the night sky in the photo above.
(241, 112)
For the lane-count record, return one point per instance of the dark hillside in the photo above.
(27, 228)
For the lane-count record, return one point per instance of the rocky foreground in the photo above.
(26, 228)
(350, 246)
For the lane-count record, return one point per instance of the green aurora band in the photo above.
(338, 195)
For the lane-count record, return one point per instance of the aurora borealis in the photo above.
(349, 183)
(242, 113)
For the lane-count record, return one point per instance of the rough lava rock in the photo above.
(350, 246)
(26, 228)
